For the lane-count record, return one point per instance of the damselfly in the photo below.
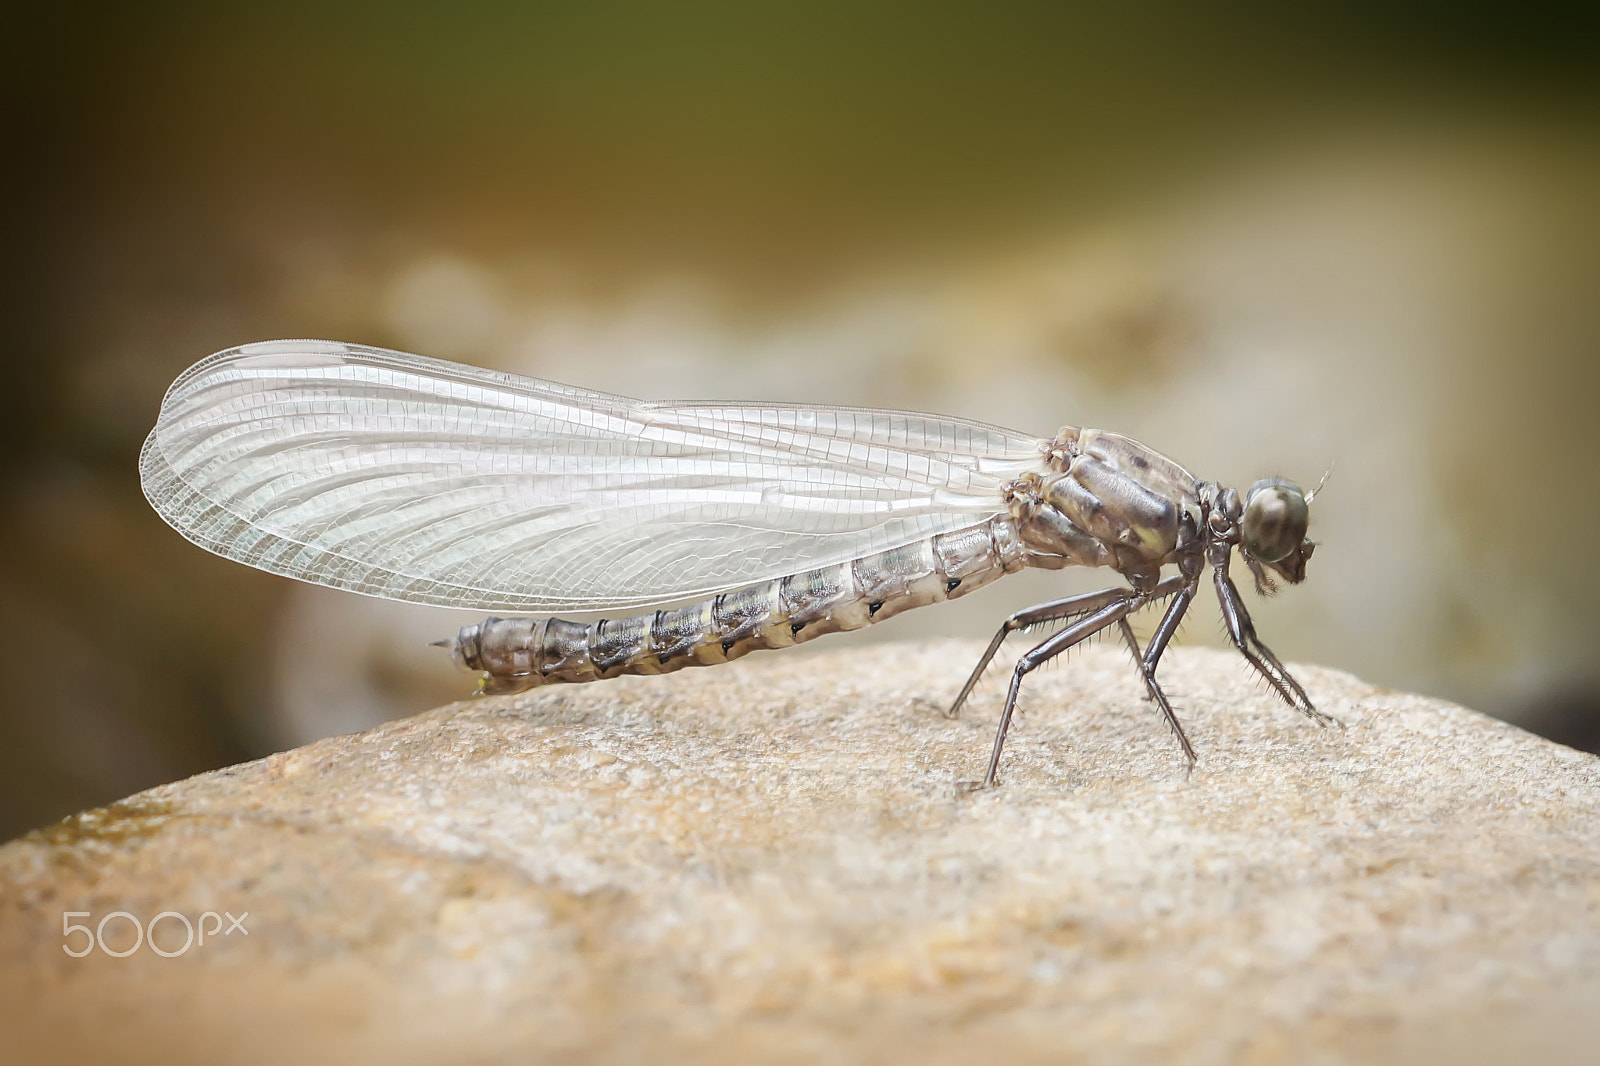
(433, 482)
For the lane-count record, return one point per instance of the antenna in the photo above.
(1326, 474)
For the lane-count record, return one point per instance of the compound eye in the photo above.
(1275, 519)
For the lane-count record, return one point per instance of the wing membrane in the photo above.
(416, 479)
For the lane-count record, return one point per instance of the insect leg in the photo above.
(1132, 642)
(1242, 631)
(1078, 631)
(1032, 616)
(1152, 658)
(1053, 611)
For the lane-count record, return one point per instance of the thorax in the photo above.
(1106, 500)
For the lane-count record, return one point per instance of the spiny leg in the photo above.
(1152, 658)
(1132, 642)
(1078, 631)
(1038, 614)
(1242, 631)
(1053, 611)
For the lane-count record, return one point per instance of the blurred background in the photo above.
(1365, 235)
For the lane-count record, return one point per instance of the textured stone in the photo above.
(773, 861)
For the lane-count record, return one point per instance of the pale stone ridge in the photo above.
(773, 861)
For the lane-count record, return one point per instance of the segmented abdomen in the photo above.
(520, 653)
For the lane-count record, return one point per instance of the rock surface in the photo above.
(774, 862)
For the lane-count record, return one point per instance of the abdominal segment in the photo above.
(521, 653)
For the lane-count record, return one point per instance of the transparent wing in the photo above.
(417, 479)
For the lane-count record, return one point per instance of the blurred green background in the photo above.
(1262, 240)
